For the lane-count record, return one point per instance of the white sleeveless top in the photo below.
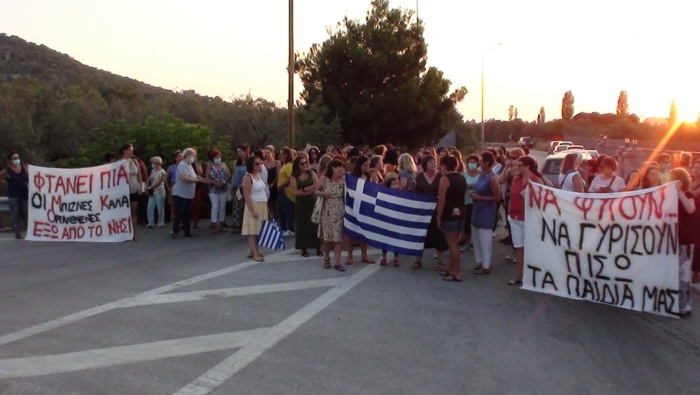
(568, 180)
(257, 192)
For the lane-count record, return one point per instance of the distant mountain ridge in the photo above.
(19, 57)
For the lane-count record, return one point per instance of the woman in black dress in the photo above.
(428, 183)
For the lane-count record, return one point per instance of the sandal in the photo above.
(452, 278)
(327, 263)
(259, 259)
(250, 256)
(515, 282)
(382, 262)
(320, 253)
(339, 268)
(440, 267)
(305, 254)
(367, 260)
(135, 239)
(349, 261)
(481, 270)
(396, 262)
(416, 265)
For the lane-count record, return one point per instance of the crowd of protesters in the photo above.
(303, 190)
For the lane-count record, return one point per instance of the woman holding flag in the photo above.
(255, 211)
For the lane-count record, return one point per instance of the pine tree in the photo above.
(673, 115)
(623, 109)
(567, 106)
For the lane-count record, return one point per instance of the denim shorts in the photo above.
(453, 226)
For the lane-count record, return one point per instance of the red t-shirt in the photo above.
(516, 207)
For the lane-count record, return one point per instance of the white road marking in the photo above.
(216, 376)
(230, 292)
(59, 322)
(105, 357)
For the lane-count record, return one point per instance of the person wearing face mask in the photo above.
(184, 192)
(16, 177)
(218, 175)
(471, 175)
(156, 192)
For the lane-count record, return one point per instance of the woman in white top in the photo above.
(255, 211)
(156, 192)
(569, 177)
(606, 181)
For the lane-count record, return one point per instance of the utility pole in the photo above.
(290, 72)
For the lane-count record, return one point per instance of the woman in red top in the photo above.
(525, 172)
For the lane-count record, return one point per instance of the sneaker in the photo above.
(287, 233)
(435, 255)
(510, 258)
(464, 249)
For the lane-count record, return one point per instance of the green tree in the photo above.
(567, 106)
(372, 76)
(673, 114)
(511, 112)
(515, 114)
(623, 109)
(311, 128)
(540, 116)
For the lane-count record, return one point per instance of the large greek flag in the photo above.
(385, 218)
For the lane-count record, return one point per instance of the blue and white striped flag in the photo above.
(271, 236)
(385, 218)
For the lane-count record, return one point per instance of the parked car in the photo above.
(594, 153)
(574, 147)
(552, 165)
(561, 147)
(554, 144)
(525, 142)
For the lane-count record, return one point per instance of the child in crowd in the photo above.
(393, 183)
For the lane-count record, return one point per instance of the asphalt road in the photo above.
(195, 316)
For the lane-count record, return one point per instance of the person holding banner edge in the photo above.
(524, 171)
(184, 192)
(686, 223)
(135, 180)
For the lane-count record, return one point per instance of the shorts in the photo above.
(517, 232)
(134, 198)
(453, 226)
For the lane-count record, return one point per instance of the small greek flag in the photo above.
(385, 218)
(271, 236)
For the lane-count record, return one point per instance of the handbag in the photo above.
(316, 214)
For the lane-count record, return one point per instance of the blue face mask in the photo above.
(472, 166)
(16, 162)
(153, 166)
(191, 160)
(217, 161)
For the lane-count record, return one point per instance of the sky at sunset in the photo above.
(229, 47)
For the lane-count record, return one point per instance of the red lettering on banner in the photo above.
(113, 177)
(46, 230)
(535, 196)
(584, 204)
(73, 233)
(606, 204)
(55, 202)
(550, 198)
(119, 226)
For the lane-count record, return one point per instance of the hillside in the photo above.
(52, 106)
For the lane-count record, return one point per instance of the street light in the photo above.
(483, 141)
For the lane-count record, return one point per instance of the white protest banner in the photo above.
(89, 204)
(619, 249)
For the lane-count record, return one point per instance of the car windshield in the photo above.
(552, 166)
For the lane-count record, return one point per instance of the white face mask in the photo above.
(153, 166)
(191, 159)
(16, 162)
(217, 161)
